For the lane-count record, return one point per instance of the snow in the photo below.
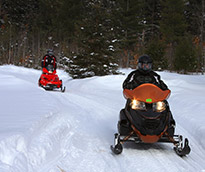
(50, 131)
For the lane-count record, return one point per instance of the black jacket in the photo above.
(137, 78)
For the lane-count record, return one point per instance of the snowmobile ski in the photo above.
(117, 148)
(182, 149)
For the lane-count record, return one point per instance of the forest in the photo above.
(96, 37)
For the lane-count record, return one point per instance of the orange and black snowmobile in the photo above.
(147, 118)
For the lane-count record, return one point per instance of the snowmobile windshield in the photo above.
(148, 93)
(50, 68)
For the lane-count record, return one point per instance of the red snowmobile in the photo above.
(147, 118)
(49, 80)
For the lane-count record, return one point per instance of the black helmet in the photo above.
(50, 52)
(145, 63)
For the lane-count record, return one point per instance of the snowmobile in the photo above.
(49, 80)
(147, 118)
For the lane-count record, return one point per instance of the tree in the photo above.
(96, 36)
(65, 19)
(156, 49)
(195, 12)
(172, 25)
(151, 12)
(185, 56)
(132, 23)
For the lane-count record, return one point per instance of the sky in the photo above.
(51, 131)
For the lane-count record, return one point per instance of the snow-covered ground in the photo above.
(50, 131)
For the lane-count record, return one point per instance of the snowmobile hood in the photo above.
(148, 93)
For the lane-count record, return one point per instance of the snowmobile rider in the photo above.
(144, 74)
(49, 59)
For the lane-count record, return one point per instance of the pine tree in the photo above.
(96, 36)
(194, 16)
(172, 26)
(185, 56)
(20, 13)
(67, 16)
(156, 49)
(195, 12)
(132, 22)
(151, 15)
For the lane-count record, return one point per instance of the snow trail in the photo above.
(49, 131)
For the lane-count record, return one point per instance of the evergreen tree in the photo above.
(96, 36)
(151, 14)
(173, 24)
(194, 16)
(20, 13)
(195, 12)
(156, 49)
(132, 22)
(185, 56)
(67, 16)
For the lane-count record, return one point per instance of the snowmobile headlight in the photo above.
(159, 106)
(137, 105)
